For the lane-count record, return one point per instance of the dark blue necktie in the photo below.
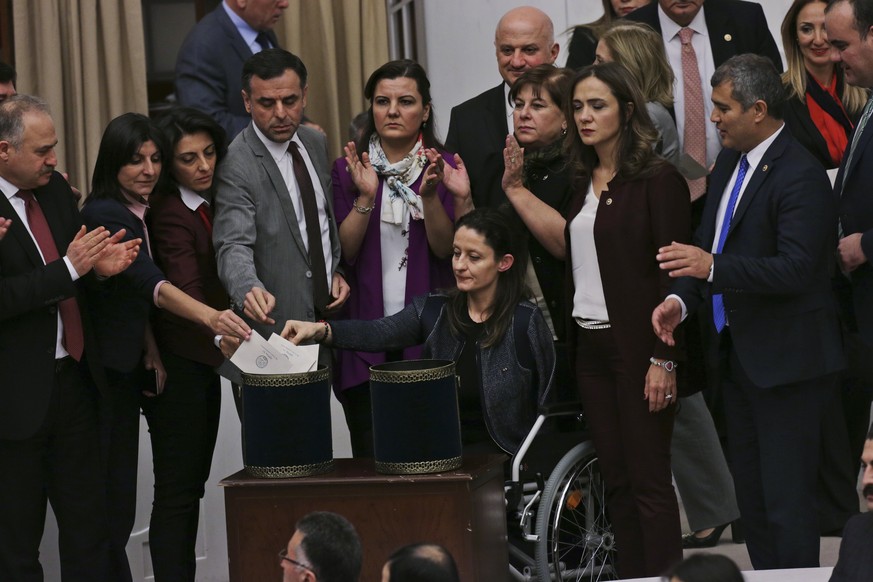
(263, 40)
(718, 315)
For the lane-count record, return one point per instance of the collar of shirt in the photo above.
(670, 29)
(137, 205)
(754, 155)
(191, 199)
(248, 33)
(277, 150)
(510, 107)
(9, 189)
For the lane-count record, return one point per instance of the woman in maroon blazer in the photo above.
(183, 418)
(627, 203)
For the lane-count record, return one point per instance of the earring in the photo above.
(563, 130)
(424, 124)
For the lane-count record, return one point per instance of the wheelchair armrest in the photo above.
(560, 408)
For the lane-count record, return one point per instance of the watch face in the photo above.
(669, 365)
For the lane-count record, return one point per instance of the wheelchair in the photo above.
(557, 524)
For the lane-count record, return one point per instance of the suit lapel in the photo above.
(859, 147)
(718, 182)
(19, 232)
(233, 36)
(499, 123)
(757, 179)
(722, 31)
(279, 190)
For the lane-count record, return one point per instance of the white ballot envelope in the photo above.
(301, 358)
(257, 356)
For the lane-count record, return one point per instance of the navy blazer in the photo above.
(852, 190)
(477, 132)
(209, 70)
(29, 293)
(735, 27)
(774, 270)
(121, 306)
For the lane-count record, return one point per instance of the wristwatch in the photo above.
(668, 365)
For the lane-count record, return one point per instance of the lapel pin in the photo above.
(728, 38)
(764, 169)
(608, 201)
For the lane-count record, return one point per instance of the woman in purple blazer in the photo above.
(628, 202)
(395, 213)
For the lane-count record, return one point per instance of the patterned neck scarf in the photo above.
(398, 178)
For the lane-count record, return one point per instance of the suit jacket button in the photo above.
(309, 274)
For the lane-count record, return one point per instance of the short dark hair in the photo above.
(550, 79)
(181, 121)
(404, 68)
(422, 563)
(121, 140)
(331, 545)
(753, 78)
(7, 73)
(862, 10)
(705, 568)
(269, 64)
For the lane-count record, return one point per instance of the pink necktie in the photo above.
(694, 134)
(74, 338)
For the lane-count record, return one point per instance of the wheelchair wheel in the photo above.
(575, 537)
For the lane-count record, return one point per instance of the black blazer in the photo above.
(796, 116)
(774, 270)
(735, 27)
(121, 307)
(477, 132)
(29, 293)
(855, 563)
(852, 190)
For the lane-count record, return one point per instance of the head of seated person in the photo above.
(420, 563)
(705, 568)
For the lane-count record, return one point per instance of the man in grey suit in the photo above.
(211, 58)
(275, 235)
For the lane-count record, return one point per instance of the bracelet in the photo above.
(363, 209)
(668, 365)
(326, 331)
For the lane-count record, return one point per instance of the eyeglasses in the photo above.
(283, 555)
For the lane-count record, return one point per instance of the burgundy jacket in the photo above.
(182, 247)
(634, 219)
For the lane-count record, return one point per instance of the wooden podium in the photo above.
(463, 510)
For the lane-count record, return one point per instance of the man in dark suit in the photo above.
(760, 268)
(720, 30)
(525, 38)
(210, 61)
(48, 423)
(855, 563)
(277, 255)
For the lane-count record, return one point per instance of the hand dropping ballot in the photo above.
(276, 356)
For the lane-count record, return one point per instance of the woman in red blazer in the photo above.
(627, 203)
(183, 419)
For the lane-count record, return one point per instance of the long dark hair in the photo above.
(181, 121)
(121, 140)
(496, 228)
(408, 69)
(636, 141)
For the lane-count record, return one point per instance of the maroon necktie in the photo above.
(207, 220)
(313, 229)
(74, 339)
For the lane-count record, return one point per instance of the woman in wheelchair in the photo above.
(499, 341)
(628, 203)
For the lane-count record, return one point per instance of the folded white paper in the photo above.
(302, 358)
(257, 356)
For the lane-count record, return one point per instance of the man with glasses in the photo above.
(325, 548)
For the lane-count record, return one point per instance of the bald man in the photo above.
(525, 38)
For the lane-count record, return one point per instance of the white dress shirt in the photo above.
(248, 33)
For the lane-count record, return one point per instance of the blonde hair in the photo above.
(794, 77)
(639, 49)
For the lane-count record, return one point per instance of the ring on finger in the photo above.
(668, 397)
